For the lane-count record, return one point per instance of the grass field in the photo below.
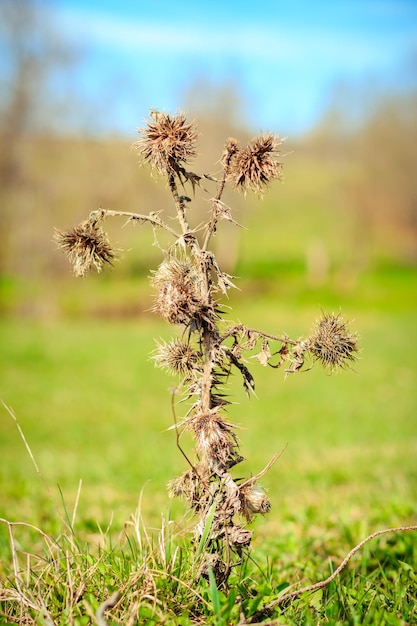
(94, 409)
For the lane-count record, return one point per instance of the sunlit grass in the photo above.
(93, 408)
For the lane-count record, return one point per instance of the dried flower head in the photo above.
(177, 357)
(238, 537)
(332, 343)
(185, 486)
(167, 142)
(253, 500)
(214, 564)
(87, 246)
(179, 299)
(216, 441)
(255, 166)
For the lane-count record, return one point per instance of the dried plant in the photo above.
(254, 166)
(188, 285)
(87, 246)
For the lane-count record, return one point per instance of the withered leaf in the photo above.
(284, 353)
(264, 355)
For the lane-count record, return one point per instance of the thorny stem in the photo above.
(179, 203)
(207, 338)
(206, 382)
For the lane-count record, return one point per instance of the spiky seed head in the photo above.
(255, 166)
(167, 141)
(253, 500)
(87, 247)
(176, 270)
(177, 357)
(216, 441)
(185, 486)
(332, 343)
(179, 299)
(175, 281)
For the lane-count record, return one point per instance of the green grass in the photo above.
(93, 408)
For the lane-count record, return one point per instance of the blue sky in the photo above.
(284, 58)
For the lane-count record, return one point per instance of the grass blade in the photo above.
(206, 532)
(214, 595)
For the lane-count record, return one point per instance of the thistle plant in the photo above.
(189, 285)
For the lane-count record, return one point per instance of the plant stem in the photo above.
(206, 382)
(211, 226)
(234, 330)
(153, 218)
(179, 203)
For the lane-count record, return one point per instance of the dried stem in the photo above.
(323, 583)
(238, 328)
(152, 218)
(212, 224)
(180, 203)
(265, 469)
(110, 603)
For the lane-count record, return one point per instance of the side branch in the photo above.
(211, 226)
(152, 218)
(235, 330)
(230, 151)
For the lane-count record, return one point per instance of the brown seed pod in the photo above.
(177, 356)
(332, 344)
(87, 247)
(255, 166)
(216, 441)
(167, 142)
(253, 500)
(179, 298)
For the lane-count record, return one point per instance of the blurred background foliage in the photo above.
(347, 207)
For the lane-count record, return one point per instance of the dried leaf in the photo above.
(251, 340)
(189, 177)
(284, 353)
(248, 381)
(264, 355)
(224, 282)
(225, 212)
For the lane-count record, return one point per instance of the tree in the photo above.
(32, 54)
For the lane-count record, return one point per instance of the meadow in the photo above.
(93, 408)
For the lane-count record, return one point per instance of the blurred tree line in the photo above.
(374, 132)
(358, 176)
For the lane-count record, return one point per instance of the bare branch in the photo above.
(152, 218)
(235, 330)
